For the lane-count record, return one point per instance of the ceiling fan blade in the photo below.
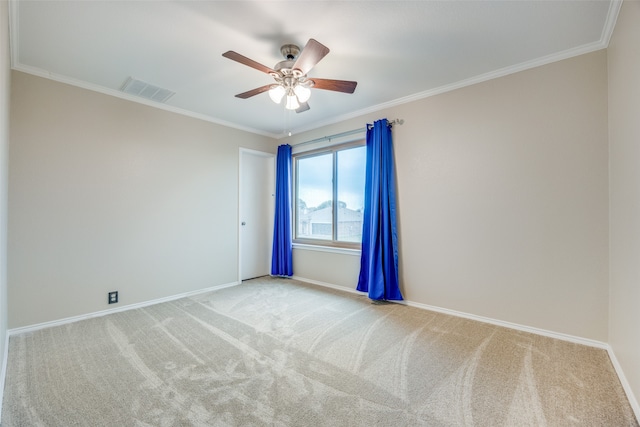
(235, 56)
(253, 92)
(303, 107)
(312, 53)
(335, 85)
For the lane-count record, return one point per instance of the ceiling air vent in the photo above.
(146, 90)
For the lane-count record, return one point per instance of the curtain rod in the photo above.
(390, 123)
(347, 133)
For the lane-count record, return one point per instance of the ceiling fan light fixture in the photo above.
(292, 101)
(276, 93)
(302, 92)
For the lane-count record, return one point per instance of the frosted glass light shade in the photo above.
(303, 93)
(292, 102)
(276, 93)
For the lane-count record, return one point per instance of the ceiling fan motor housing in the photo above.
(290, 51)
(284, 74)
(284, 66)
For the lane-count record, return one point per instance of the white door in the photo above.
(257, 198)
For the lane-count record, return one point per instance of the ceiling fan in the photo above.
(290, 75)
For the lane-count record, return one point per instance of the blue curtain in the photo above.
(379, 258)
(281, 256)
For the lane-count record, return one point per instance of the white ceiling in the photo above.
(396, 50)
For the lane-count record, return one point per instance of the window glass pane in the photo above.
(351, 175)
(315, 193)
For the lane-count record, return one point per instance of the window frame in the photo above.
(333, 150)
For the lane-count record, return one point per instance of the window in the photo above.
(329, 189)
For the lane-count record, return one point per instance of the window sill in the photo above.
(331, 249)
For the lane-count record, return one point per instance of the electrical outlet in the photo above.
(113, 297)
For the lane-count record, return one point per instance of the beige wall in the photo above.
(328, 268)
(624, 152)
(502, 199)
(5, 78)
(106, 194)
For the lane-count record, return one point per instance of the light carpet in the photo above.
(275, 352)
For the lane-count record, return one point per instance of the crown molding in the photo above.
(603, 43)
(461, 84)
(118, 94)
(13, 32)
(610, 23)
(16, 65)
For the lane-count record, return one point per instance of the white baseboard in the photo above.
(73, 319)
(31, 328)
(551, 334)
(565, 337)
(3, 373)
(537, 331)
(633, 402)
(327, 285)
(625, 384)
(510, 325)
